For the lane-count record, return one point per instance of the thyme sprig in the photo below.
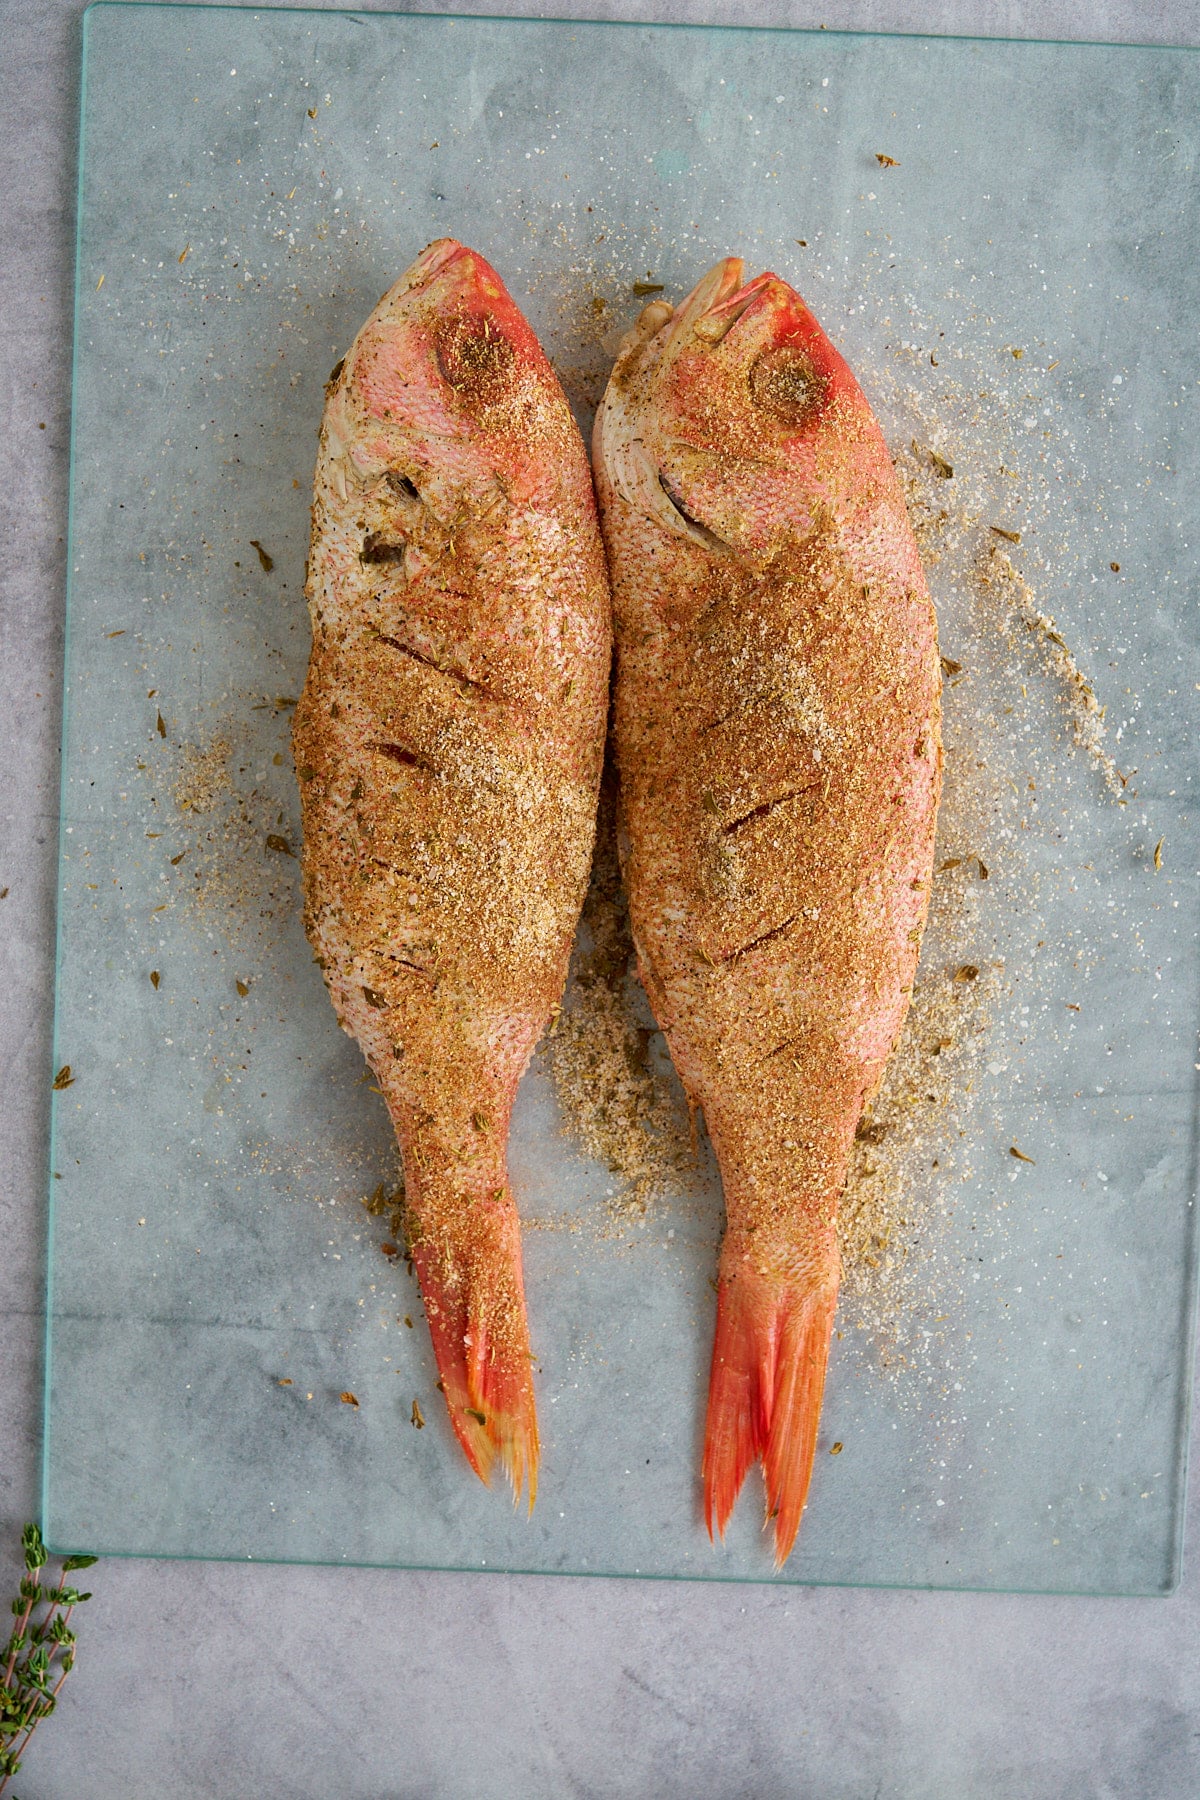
(41, 1648)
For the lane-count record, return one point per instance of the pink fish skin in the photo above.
(777, 723)
(448, 744)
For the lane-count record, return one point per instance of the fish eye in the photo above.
(784, 383)
(476, 359)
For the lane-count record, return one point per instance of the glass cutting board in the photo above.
(1001, 237)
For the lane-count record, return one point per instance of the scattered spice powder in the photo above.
(202, 779)
(226, 879)
(612, 1100)
(1001, 578)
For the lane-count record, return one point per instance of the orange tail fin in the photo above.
(764, 1395)
(475, 1302)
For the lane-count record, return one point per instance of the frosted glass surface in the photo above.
(1017, 288)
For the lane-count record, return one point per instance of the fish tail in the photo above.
(764, 1398)
(475, 1303)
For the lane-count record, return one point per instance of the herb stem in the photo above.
(41, 1630)
(20, 1632)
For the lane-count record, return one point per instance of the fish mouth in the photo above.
(433, 261)
(717, 302)
(455, 269)
(712, 306)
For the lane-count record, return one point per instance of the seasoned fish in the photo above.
(777, 714)
(448, 744)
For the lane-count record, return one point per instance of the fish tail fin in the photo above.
(475, 1303)
(764, 1399)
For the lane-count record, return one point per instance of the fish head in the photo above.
(441, 381)
(734, 422)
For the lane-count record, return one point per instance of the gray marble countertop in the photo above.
(210, 1679)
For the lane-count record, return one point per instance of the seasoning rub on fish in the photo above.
(777, 734)
(448, 744)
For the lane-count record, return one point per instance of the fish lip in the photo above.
(651, 347)
(720, 318)
(714, 290)
(433, 261)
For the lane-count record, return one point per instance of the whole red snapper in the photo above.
(777, 710)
